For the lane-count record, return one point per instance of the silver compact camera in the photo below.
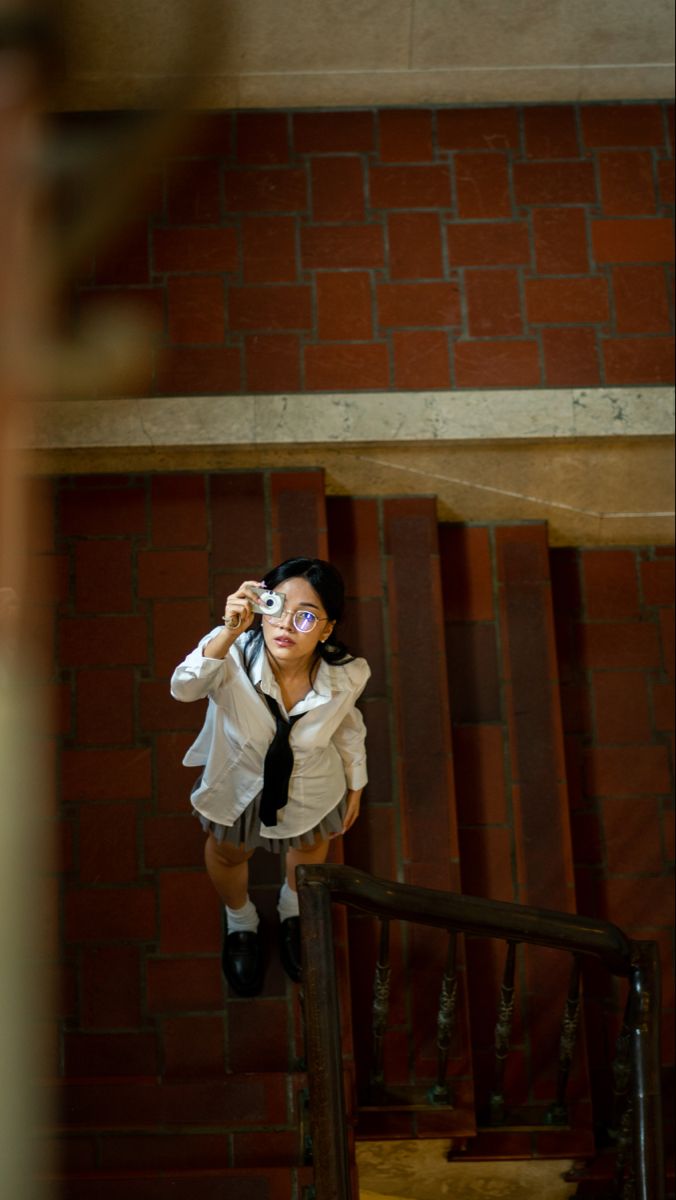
(271, 604)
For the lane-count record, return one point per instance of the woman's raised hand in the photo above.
(239, 614)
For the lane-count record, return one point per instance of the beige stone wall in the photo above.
(325, 53)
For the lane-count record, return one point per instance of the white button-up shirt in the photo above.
(328, 743)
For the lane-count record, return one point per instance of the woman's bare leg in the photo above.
(317, 853)
(228, 870)
(242, 958)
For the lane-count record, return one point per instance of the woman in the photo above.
(282, 748)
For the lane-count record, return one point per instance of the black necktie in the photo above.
(278, 766)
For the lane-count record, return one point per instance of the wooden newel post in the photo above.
(324, 1051)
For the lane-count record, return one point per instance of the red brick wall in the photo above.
(507, 247)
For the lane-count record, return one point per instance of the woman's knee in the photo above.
(314, 852)
(225, 853)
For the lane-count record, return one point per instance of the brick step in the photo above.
(131, 1125)
(140, 1102)
(255, 1183)
(131, 1150)
(457, 1124)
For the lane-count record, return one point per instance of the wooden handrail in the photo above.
(320, 885)
(475, 916)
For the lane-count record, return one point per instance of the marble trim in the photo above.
(354, 417)
(592, 83)
(458, 85)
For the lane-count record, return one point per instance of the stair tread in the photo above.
(163, 1081)
(170, 1172)
(247, 1100)
(262, 1183)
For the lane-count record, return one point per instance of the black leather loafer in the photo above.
(243, 962)
(289, 948)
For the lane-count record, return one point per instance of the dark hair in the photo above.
(328, 584)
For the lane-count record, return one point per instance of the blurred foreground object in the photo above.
(40, 358)
(24, 792)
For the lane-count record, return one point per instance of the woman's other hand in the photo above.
(352, 812)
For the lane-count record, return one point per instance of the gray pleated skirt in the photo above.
(246, 831)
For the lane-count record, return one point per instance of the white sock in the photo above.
(243, 920)
(287, 905)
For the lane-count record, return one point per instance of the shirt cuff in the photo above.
(200, 666)
(356, 776)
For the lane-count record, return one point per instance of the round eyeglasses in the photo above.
(302, 620)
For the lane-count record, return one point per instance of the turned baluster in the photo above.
(381, 1004)
(558, 1113)
(441, 1093)
(503, 1029)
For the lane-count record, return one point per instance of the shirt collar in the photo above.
(325, 681)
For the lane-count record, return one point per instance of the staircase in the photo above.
(168, 1086)
(237, 1135)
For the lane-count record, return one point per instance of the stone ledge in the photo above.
(355, 418)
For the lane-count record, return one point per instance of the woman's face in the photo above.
(283, 640)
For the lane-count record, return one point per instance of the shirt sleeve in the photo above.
(197, 676)
(350, 742)
(350, 736)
